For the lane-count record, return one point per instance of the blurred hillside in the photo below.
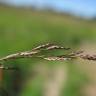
(39, 26)
(23, 28)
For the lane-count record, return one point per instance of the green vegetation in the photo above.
(22, 29)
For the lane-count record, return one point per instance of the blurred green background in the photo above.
(22, 29)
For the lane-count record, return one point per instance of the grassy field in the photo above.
(22, 29)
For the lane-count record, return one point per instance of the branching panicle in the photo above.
(27, 54)
(49, 46)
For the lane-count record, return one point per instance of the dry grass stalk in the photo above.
(49, 46)
(34, 51)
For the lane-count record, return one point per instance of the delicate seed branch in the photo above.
(88, 57)
(57, 58)
(56, 47)
(49, 46)
(34, 51)
(42, 46)
(19, 55)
